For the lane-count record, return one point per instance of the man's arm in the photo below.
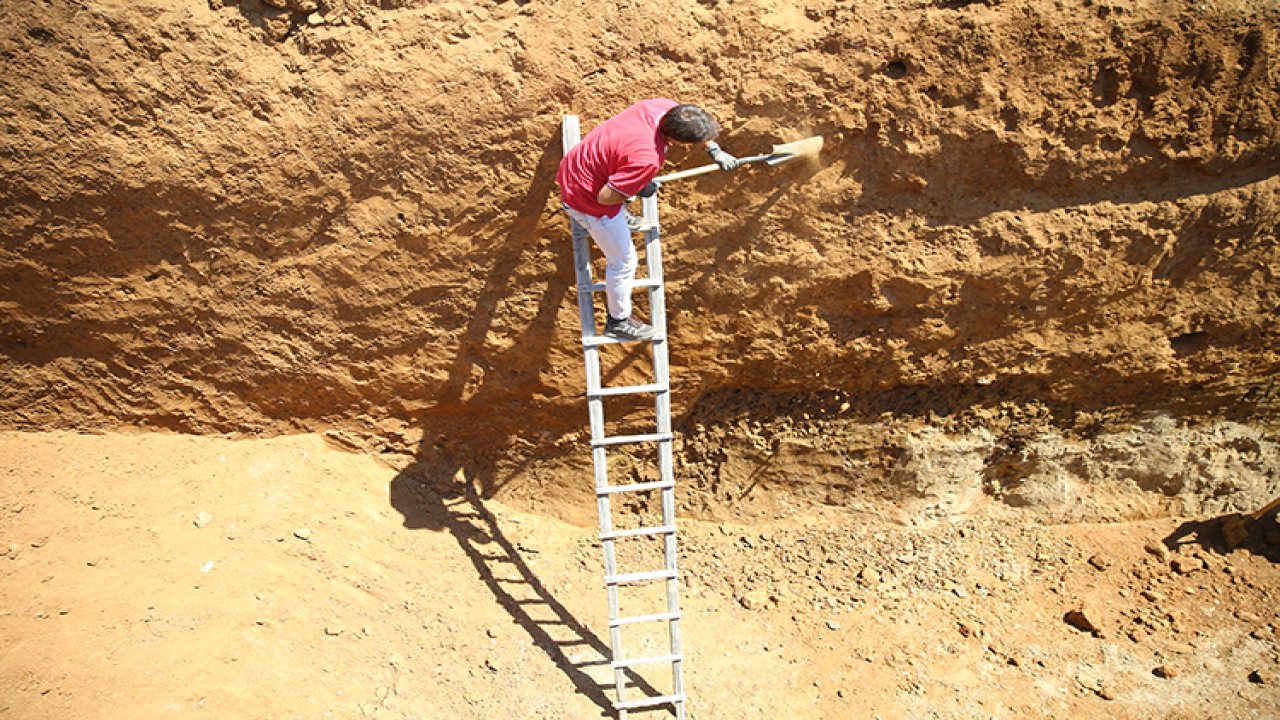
(609, 196)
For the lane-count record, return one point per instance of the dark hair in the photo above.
(689, 123)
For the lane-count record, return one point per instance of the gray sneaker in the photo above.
(628, 329)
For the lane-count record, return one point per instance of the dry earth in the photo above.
(1005, 353)
(158, 576)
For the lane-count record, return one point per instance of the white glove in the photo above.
(721, 158)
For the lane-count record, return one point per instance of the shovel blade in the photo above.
(808, 147)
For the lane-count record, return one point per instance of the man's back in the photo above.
(625, 152)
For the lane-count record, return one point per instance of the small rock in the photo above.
(302, 534)
(1160, 551)
(869, 576)
(334, 630)
(833, 625)
(203, 519)
(1167, 672)
(1262, 676)
(1152, 596)
(1187, 565)
(315, 18)
(754, 600)
(1106, 693)
(1099, 562)
(1078, 620)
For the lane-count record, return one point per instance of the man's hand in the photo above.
(648, 190)
(721, 158)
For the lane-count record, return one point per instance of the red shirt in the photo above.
(625, 152)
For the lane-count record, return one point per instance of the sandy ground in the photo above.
(957, 406)
(165, 575)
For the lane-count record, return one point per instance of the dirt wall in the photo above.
(1029, 217)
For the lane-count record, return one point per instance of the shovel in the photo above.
(809, 147)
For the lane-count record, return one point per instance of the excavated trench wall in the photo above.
(1039, 248)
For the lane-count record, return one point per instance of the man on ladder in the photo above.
(615, 162)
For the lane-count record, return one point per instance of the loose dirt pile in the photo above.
(1032, 283)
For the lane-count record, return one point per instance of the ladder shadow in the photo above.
(459, 509)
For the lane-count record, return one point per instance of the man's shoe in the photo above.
(628, 329)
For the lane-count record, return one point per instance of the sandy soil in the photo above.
(956, 406)
(168, 576)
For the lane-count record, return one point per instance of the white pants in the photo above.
(614, 239)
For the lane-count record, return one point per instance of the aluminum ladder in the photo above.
(617, 582)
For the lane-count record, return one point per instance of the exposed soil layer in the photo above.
(237, 217)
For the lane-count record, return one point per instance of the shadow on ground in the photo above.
(431, 497)
(1258, 538)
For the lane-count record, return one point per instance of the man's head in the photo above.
(688, 124)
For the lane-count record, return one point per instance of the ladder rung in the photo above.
(628, 390)
(625, 578)
(618, 622)
(597, 340)
(636, 487)
(625, 439)
(638, 283)
(638, 532)
(650, 702)
(655, 660)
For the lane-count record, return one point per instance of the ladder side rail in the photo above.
(662, 411)
(570, 135)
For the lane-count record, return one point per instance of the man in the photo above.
(616, 162)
